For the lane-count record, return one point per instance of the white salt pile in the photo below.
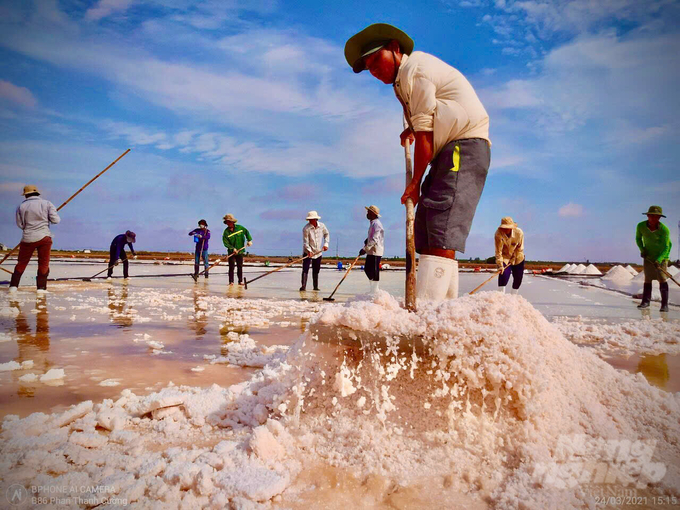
(631, 270)
(591, 269)
(580, 269)
(499, 406)
(618, 276)
(672, 270)
(631, 337)
(564, 268)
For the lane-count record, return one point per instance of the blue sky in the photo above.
(250, 108)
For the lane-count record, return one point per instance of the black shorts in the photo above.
(450, 194)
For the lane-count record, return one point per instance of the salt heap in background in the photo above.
(592, 270)
(631, 270)
(564, 268)
(580, 269)
(497, 405)
(617, 276)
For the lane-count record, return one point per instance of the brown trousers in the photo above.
(44, 246)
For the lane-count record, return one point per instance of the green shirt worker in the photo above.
(235, 239)
(654, 240)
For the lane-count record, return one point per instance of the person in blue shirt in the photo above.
(201, 238)
(117, 251)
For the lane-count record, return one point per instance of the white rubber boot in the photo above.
(503, 289)
(452, 293)
(434, 277)
(374, 287)
(514, 291)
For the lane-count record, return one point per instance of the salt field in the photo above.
(175, 394)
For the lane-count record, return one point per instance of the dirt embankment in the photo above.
(184, 256)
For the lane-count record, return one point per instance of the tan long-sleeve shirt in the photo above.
(509, 249)
(438, 98)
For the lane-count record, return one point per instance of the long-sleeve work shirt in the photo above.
(375, 243)
(34, 216)
(314, 239)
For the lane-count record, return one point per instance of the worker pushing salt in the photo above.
(450, 128)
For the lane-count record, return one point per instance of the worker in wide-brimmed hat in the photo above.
(509, 241)
(34, 217)
(117, 251)
(654, 240)
(315, 240)
(450, 128)
(235, 239)
(374, 247)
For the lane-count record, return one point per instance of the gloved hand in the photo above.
(500, 267)
(362, 252)
(249, 243)
(657, 264)
(134, 257)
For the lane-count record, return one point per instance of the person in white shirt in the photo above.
(34, 217)
(450, 128)
(315, 239)
(374, 247)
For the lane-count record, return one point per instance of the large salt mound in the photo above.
(591, 269)
(564, 268)
(673, 270)
(631, 270)
(580, 269)
(500, 407)
(618, 276)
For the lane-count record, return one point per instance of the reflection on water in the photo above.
(655, 369)
(199, 322)
(32, 345)
(119, 314)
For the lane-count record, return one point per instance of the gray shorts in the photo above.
(652, 273)
(450, 194)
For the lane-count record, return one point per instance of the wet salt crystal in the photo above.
(427, 405)
(198, 369)
(110, 382)
(361, 401)
(154, 344)
(52, 375)
(28, 378)
(28, 364)
(9, 366)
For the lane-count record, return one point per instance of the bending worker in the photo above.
(450, 128)
(201, 238)
(654, 240)
(315, 239)
(235, 239)
(117, 251)
(509, 240)
(374, 247)
(34, 217)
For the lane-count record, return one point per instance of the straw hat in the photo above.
(374, 209)
(29, 188)
(313, 215)
(653, 209)
(507, 222)
(229, 217)
(370, 40)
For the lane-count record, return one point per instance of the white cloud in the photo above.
(105, 8)
(571, 210)
(18, 95)
(136, 135)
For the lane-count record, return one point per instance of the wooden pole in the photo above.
(72, 197)
(245, 280)
(487, 281)
(410, 293)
